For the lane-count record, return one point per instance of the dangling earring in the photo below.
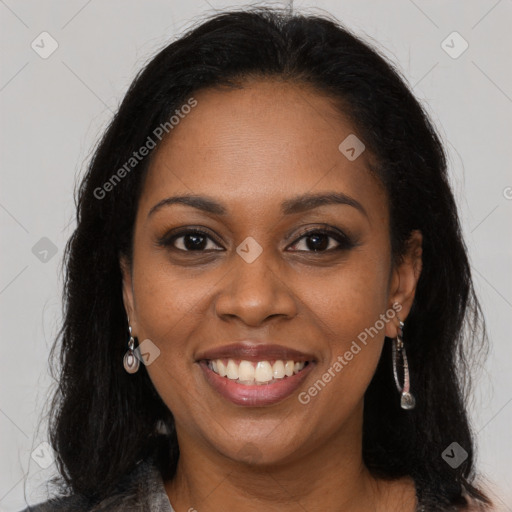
(407, 400)
(130, 361)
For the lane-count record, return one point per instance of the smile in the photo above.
(248, 373)
(254, 374)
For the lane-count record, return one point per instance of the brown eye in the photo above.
(189, 241)
(323, 241)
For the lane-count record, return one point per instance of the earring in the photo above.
(130, 361)
(407, 400)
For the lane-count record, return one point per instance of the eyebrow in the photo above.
(291, 206)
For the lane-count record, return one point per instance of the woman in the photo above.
(267, 288)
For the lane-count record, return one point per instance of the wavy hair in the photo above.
(104, 420)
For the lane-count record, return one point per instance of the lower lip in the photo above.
(255, 395)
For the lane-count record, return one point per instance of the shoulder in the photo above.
(141, 489)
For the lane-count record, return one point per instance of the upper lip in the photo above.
(250, 351)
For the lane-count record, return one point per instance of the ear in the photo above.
(128, 300)
(404, 280)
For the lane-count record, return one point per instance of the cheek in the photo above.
(352, 312)
(353, 296)
(165, 300)
(168, 314)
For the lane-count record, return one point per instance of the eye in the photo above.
(315, 241)
(189, 241)
(321, 240)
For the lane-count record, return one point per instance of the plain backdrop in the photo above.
(54, 108)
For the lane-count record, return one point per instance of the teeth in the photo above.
(255, 373)
(263, 372)
(221, 368)
(278, 370)
(232, 370)
(297, 367)
(245, 371)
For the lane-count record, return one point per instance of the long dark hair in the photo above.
(104, 420)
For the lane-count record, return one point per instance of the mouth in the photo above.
(255, 375)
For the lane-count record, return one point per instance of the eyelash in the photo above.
(345, 243)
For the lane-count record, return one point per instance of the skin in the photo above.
(250, 149)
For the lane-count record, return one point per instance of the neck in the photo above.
(329, 477)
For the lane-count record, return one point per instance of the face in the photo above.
(268, 268)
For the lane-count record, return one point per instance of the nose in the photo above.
(254, 292)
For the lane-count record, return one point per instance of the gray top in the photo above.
(141, 490)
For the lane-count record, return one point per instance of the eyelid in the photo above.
(326, 228)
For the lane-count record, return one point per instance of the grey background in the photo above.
(54, 109)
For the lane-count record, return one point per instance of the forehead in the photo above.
(257, 145)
